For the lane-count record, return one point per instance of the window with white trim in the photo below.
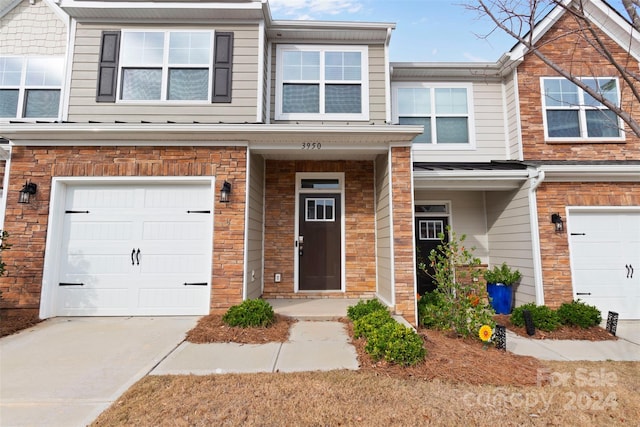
(322, 82)
(445, 111)
(571, 113)
(30, 87)
(430, 229)
(165, 65)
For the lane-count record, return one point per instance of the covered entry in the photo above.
(132, 249)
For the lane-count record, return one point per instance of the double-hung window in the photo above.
(572, 114)
(322, 82)
(166, 65)
(30, 87)
(444, 110)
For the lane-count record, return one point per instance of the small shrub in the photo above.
(364, 326)
(502, 274)
(543, 317)
(362, 308)
(396, 344)
(578, 313)
(251, 313)
(432, 311)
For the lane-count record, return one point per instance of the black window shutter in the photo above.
(222, 67)
(108, 67)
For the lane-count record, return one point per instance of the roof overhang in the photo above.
(329, 32)
(471, 179)
(320, 142)
(174, 10)
(591, 173)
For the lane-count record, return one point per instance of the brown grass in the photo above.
(365, 398)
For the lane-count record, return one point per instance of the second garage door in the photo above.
(135, 250)
(605, 260)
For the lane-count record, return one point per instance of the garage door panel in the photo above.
(602, 245)
(149, 226)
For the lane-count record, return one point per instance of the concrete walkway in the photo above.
(66, 371)
(312, 346)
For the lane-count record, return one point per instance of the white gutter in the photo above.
(591, 172)
(6, 155)
(537, 177)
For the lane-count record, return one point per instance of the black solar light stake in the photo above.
(500, 337)
(612, 323)
(528, 322)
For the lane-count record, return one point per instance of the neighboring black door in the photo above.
(319, 245)
(427, 231)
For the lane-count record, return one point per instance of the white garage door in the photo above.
(135, 250)
(605, 260)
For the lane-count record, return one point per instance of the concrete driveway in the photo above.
(66, 371)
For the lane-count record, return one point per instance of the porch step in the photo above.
(312, 309)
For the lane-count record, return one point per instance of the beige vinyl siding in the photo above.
(489, 130)
(32, 30)
(513, 124)
(467, 216)
(255, 227)
(383, 230)
(83, 106)
(377, 93)
(509, 232)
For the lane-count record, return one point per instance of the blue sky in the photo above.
(426, 30)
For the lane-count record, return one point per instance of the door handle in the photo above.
(138, 257)
(300, 245)
(133, 252)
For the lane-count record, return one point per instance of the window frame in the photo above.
(23, 88)
(322, 82)
(582, 109)
(165, 68)
(432, 86)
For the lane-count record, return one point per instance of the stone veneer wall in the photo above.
(554, 197)
(27, 224)
(403, 243)
(360, 270)
(563, 45)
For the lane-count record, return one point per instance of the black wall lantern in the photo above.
(557, 220)
(224, 192)
(28, 190)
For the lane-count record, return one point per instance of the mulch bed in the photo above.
(595, 333)
(211, 328)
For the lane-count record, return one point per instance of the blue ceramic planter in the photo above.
(501, 297)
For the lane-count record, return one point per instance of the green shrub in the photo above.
(363, 326)
(578, 313)
(502, 274)
(251, 313)
(432, 311)
(543, 317)
(362, 308)
(396, 344)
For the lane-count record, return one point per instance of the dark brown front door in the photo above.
(427, 231)
(319, 245)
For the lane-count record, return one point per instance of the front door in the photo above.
(427, 231)
(319, 253)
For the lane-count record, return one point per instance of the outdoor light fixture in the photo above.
(557, 220)
(224, 192)
(28, 190)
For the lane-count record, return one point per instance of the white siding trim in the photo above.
(413, 241)
(260, 76)
(247, 203)
(534, 182)
(517, 113)
(68, 68)
(5, 188)
(392, 248)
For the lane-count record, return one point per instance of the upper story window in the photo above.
(173, 66)
(322, 83)
(572, 114)
(152, 66)
(30, 87)
(445, 111)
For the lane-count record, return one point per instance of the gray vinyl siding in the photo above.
(83, 105)
(467, 216)
(377, 93)
(383, 230)
(489, 130)
(32, 30)
(254, 227)
(513, 139)
(509, 232)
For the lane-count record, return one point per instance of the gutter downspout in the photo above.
(5, 186)
(536, 178)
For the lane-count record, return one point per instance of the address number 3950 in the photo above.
(311, 146)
